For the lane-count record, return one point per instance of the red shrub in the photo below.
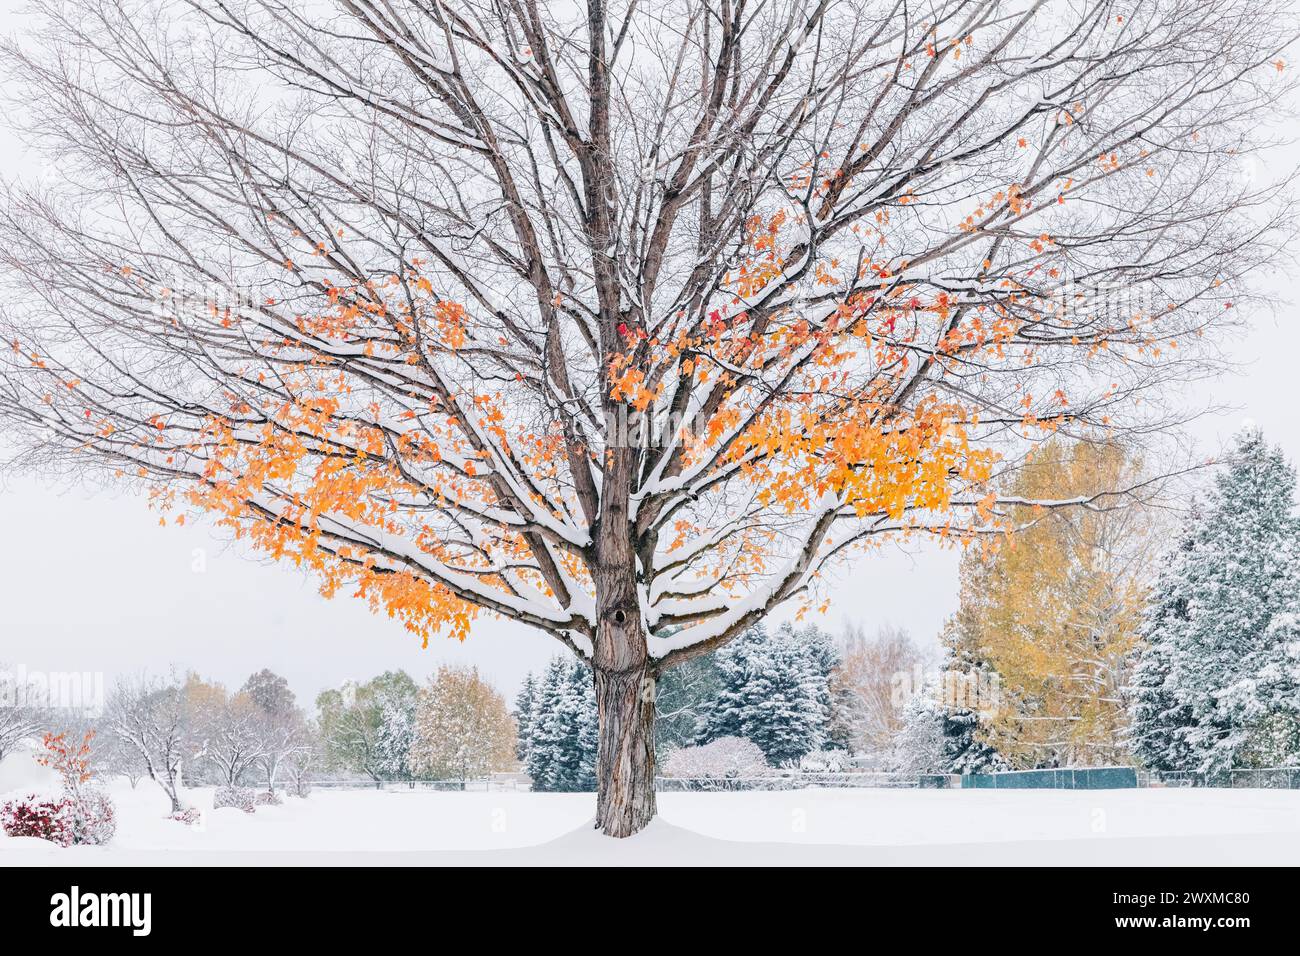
(35, 816)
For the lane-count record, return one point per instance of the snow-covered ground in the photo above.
(809, 826)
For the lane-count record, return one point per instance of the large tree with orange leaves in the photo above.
(619, 319)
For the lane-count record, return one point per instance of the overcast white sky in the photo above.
(90, 582)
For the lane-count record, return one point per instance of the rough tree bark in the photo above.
(625, 802)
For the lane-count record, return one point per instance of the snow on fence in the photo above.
(788, 781)
(1080, 778)
(496, 783)
(1265, 778)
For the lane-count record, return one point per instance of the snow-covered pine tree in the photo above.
(836, 699)
(684, 696)
(1221, 641)
(1158, 718)
(524, 705)
(774, 693)
(544, 758)
(562, 754)
(918, 745)
(395, 735)
(939, 739)
(1262, 706)
(963, 750)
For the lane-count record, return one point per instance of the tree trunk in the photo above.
(625, 700)
(625, 770)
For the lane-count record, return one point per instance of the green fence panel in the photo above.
(1084, 778)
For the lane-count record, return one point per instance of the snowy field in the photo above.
(1171, 827)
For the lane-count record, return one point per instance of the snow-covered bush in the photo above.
(267, 798)
(81, 814)
(726, 758)
(189, 816)
(825, 761)
(241, 798)
(36, 816)
(84, 818)
(92, 820)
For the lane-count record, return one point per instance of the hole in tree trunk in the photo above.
(620, 616)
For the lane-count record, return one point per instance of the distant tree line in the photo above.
(455, 727)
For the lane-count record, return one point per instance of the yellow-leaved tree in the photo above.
(1055, 610)
(463, 729)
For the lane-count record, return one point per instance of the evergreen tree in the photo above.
(918, 747)
(939, 739)
(684, 696)
(392, 699)
(774, 693)
(826, 658)
(963, 750)
(524, 704)
(394, 738)
(1218, 676)
(563, 735)
(1158, 718)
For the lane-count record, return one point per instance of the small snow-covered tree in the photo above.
(939, 739)
(463, 729)
(1158, 717)
(918, 745)
(304, 760)
(1219, 669)
(226, 729)
(774, 693)
(366, 728)
(396, 736)
(279, 724)
(150, 717)
(88, 813)
(963, 748)
(562, 754)
(122, 760)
